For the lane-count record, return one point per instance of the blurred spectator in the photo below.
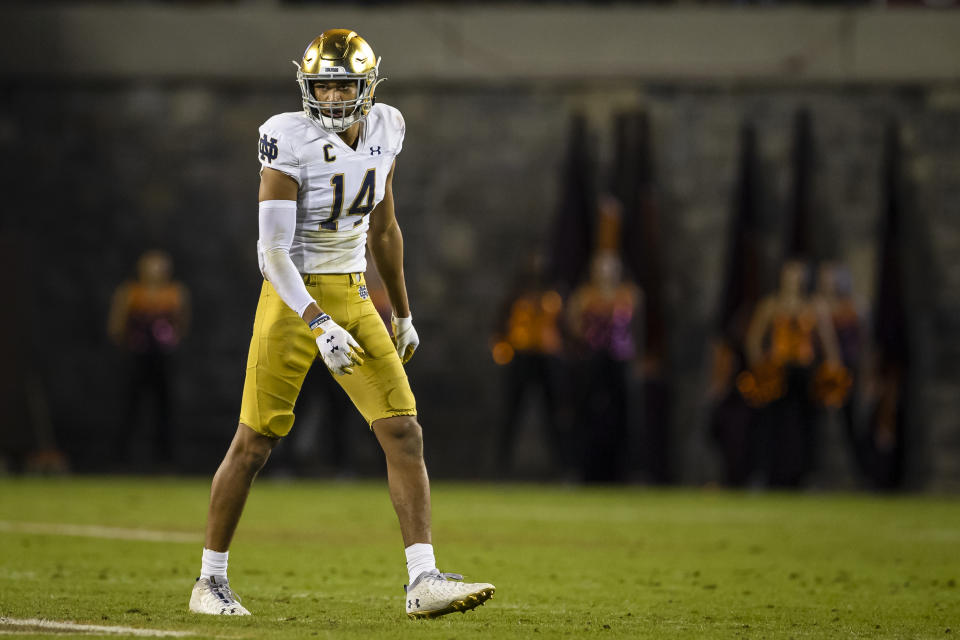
(884, 437)
(732, 421)
(782, 350)
(148, 318)
(528, 343)
(887, 395)
(603, 317)
(27, 437)
(835, 292)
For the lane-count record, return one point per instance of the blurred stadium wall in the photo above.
(129, 127)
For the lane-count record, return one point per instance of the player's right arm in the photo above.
(278, 221)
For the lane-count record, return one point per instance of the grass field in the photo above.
(316, 559)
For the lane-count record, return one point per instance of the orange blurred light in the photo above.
(502, 353)
(551, 302)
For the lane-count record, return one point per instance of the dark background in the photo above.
(114, 144)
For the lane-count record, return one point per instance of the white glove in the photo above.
(405, 337)
(338, 349)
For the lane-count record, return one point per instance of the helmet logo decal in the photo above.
(268, 149)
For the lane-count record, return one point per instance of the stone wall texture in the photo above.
(96, 173)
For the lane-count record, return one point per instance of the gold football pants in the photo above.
(283, 349)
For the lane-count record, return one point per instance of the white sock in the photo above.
(214, 563)
(419, 559)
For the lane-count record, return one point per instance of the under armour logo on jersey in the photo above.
(268, 149)
(375, 150)
(362, 290)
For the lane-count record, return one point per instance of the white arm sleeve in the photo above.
(278, 219)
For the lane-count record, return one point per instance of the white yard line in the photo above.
(96, 531)
(52, 625)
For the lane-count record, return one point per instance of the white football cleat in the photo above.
(214, 596)
(435, 594)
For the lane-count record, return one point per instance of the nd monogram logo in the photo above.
(375, 150)
(268, 149)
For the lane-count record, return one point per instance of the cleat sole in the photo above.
(463, 605)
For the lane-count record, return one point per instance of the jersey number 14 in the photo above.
(362, 204)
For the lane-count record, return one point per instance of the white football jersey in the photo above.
(339, 186)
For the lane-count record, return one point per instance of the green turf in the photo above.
(314, 559)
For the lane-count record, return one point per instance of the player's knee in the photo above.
(405, 432)
(250, 450)
(252, 459)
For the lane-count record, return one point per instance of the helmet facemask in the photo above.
(338, 115)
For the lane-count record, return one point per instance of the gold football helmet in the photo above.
(338, 54)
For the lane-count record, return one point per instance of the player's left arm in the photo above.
(385, 242)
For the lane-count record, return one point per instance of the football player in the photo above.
(325, 196)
